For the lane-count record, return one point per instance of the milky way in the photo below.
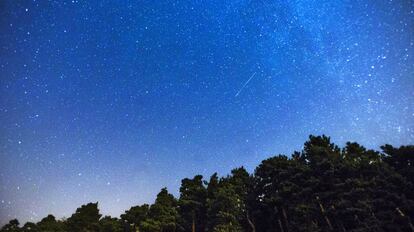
(109, 101)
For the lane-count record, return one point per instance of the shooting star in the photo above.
(247, 82)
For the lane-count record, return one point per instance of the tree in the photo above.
(85, 219)
(241, 181)
(135, 216)
(110, 224)
(278, 192)
(212, 186)
(192, 204)
(30, 227)
(50, 224)
(12, 226)
(162, 215)
(151, 225)
(227, 202)
(402, 161)
(224, 210)
(321, 188)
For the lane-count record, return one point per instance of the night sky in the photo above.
(110, 101)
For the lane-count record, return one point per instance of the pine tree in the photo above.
(12, 226)
(135, 216)
(85, 218)
(321, 188)
(162, 215)
(50, 224)
(192, 204)
(110, 224)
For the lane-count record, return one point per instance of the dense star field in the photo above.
(110, 101)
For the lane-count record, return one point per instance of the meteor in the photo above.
(247, 82)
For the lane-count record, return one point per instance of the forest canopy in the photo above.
(321, 188)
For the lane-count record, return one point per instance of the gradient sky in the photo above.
(110, 101)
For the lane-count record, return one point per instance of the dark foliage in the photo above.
(321, 188)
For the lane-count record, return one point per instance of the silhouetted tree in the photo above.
(85, 219)
(321, 188)
(30, 227)
(135, 216)
(192, 204)
(110, 224)
(12, 226)
(162, 215)
(224, 209)
(50, 224)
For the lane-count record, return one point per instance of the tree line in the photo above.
(321, 188)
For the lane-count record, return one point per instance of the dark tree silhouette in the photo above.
(13, 226)
(162, 215)
(110, 224)
(135, 216)
(321, 188)
(85, 218)
(192, 204)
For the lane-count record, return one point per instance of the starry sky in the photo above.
(110, 101)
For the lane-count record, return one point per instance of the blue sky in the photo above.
(111, 101)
